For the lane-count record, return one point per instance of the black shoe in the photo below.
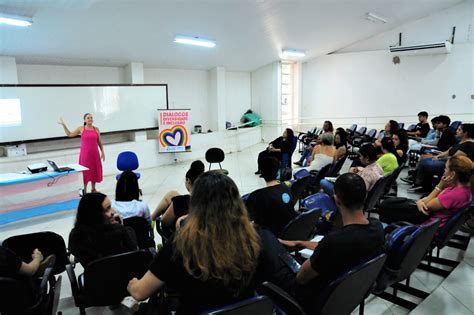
(257, 172)
(407, 180)
(298, 163)
(415, 188)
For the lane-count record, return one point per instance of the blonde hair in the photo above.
(218, 241)
(463, 167)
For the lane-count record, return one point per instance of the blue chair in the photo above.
(336, 167)
(127, 161)
(318, 200)
(455, 125)
(261, 305)
(286, 157)
(342, 295)
(301, 173)
(245, 197)
(446, 237)
(406, 246)
(351, 130)
(411, 128)
(301, 227)
(401, 125)
(298, 188)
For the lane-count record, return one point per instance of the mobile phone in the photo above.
(290, 262)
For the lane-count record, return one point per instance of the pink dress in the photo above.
(89, 156)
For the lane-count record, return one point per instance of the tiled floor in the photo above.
(454, 296)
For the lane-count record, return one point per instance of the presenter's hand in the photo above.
(102, 156)
(61, 121)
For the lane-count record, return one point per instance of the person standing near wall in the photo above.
(89, 152)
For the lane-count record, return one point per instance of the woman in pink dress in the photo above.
(89, 153)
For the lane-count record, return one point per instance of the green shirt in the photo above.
(388, 162)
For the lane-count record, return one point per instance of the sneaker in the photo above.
(298, 163)
(415, 188)
(407, 180)
(257, 172)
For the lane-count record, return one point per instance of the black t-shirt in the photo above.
(423, 129)
(10, 263)
(88, 243)
(339, 251)
(195, 295)
(282, 144)
(446, 140)
(271, 207)
(466, 147)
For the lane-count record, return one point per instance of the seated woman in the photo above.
(429, 166)
(453, 193)
(388, 160)
(180, 204)
(127, 195)
(370, 173)
(278, 146)
(323, 154)
(390, 128)
(98, 231)
(167, 199)
(400, 141)
(211, 260)
(340, 141)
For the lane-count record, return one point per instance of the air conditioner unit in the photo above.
(423, 49)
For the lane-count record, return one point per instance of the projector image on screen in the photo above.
(37, 168)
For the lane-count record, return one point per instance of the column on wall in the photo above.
(8, 71)
(217, 98)
(134, 75)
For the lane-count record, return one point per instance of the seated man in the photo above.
(422, 128)
(271, 207)
(430, 139)
(358, 241)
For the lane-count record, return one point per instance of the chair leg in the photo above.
(220, 165)
(361, 307)
(82, 310)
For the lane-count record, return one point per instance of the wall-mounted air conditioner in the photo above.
(423, 49)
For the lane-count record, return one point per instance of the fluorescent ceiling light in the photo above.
(196, 41)
(374, 18)
(293, 53)
(15, 20)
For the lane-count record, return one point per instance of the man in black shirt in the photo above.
(422, 128)
(447, 138)
(271, 207)
(359, 240)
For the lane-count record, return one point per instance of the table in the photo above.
(24, 195)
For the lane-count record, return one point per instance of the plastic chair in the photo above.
(342, 295)
(49, 243)
(336, 167)
(445, 237)
(127, 161)
(411, 128)
(104, 281)
(315, 179)
(216, 155)
(351, 130)
(298, 188)
(45, 301)
(302, 227)
(318, 200)
(401, 125)
(406, 246)
(143, 231)
(286, 157)
(261, 305)
(376, 193)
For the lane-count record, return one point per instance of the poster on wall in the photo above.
(174, 130)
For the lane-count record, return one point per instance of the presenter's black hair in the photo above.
(84, 118)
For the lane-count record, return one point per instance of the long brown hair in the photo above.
(218, 241)
(463, 167)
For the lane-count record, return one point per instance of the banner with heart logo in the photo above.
(174, 131)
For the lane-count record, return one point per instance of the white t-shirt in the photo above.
(134, 208)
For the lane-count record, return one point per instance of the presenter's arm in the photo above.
(99, 142)
(70, 134)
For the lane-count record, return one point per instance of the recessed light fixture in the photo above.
(293, 52)
(375, 18)
(15, 20)
(194, 40)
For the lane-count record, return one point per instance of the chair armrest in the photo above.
(73, 280)
(43, 288)
(280, 298)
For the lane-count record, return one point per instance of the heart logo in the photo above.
(176, 136)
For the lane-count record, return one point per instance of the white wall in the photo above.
(238, 95)
(367, 83)
(266, 98)
(8, 70)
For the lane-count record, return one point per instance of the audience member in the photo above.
(422, 128)
(211, 260)
(180, 204)
(277, 147)
(323, 154)
(400, 141)
(388, 161)
(98, 231)
(271, 207)
(340, 141)
(359, 240)
(447, 138)
(166, 201)
(430, 139)
(453, 193)
(127, 201)
(390, 128)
